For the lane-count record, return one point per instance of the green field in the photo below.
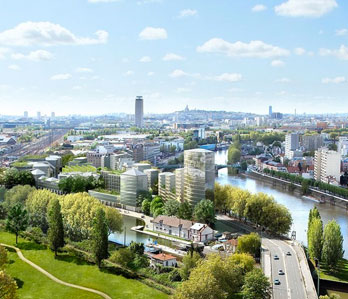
(33, 284)
(341, 274)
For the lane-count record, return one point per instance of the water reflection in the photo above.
(298, 206)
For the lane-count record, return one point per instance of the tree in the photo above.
(245, 261)
(36, 205)
(249, 244)
(315, 238)
(13, 177)
(313, 213)
(305, 187)
(234, 155)
(205, 212)
(100, 237)
(146, 207)
(185, 210)
(3, 257)
(123, 257)
(137, 248)
(221, 196)
(256, 285)
(8, 286)
(190, 261)
(114, 220)
(332, 245)
(331, 296)
(156, 206)
(55, 222)
(141, 196)
(17, 195)
(171, 207)
(17, 220)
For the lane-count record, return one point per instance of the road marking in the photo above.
(285, 271)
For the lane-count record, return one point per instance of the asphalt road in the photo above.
(291, 283)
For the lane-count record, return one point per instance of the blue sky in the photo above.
(95, 56)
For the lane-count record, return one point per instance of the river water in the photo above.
(298, 206)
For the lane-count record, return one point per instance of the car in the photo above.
(276, 257)
(288, 253)
(281, 272)
(276, 282)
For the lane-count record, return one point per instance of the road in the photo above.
(292, 285)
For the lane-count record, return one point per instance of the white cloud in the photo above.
(183, 89)
(46, 34)
(277, 63)
(77, 87)
(341, 52)
(281, 93)
(129, 73)
(283, 80)
(257, 49)
(187, 13)
(341, 32)
(148, 2)
(335, 80)
(3, 52)
(172, 56)
(299, 51)
(229, 77)
(145, 59)
(61, 77)
(180, 73)
(102, 1)
(83, 70)
(151, 33)
(150, 74)
(258, 8)
(14, 67)
(39, 55)
(305, 8)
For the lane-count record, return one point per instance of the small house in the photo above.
(200, 232)
(163, 259)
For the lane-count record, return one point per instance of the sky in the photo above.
(95, 56)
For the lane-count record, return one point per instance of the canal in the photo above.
(298, 206)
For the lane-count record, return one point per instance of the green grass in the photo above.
(79, 168)
(70, 269)
(341, 274)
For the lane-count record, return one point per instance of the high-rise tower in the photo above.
(139, 112)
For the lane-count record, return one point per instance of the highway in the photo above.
(292, 285)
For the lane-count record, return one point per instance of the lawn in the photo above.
(33, 284)
(340, 275)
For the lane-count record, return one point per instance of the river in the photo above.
(298, 206)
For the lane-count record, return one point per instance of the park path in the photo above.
(49, 275)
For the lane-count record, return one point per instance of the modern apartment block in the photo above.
(95, 159)
(166, 185)
(199, 174)
(327, 165)
(292, 143)
(139, 112)
(342, 146)
(152, 177)
(112, 180)
(179, 183)
(312, 142)
(151, 151)
(132, 181)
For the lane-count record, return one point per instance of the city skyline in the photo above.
(245, 56)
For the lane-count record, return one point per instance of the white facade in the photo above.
(201, 233)
(291, 143)
(179, 183)
(327, 164)
(342, 146)
(132, 181)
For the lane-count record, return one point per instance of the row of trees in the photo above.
(260, 208)
(325, 245)
(308, 182)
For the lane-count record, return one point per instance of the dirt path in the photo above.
(49, 275)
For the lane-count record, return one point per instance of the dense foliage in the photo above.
(13, 177)
(56, 230)
(80, 184)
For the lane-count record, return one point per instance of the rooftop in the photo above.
(163, 257)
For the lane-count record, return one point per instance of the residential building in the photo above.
(342, 146)
(112, 180)
(139, 112)
(163, 259)
(95, 159)
(142, 166)
(166, 188)
(327, 164)
(172, 225)
(151, 151)
(292, 143)
(312, 142)
(132, 181)
(152, 177)
(199, 174)
(201, 233)
(179, 183)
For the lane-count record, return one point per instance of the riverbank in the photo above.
(319, 196)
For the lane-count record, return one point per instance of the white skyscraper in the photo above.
(26, 114)
(38, 115)
(291, 144)
(139, 112)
